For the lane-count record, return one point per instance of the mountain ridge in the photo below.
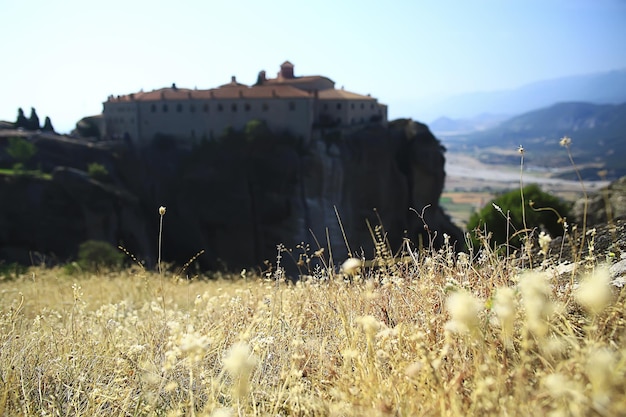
(598, 133)
(607, 87)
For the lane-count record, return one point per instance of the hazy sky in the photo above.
(65, 57)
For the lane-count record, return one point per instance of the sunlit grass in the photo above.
(431, 336)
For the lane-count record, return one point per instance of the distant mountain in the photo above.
(599, 88)
(598, 134)
(446, 126)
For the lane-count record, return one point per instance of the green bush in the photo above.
(21, 149)
(98, 172)
(96, 255)
(495, 222)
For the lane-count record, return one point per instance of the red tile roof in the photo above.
(333, 94)
(296, 80)
(226, 92)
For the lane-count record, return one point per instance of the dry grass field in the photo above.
(431, 335)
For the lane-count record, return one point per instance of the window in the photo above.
(292, 106)
(192, 108)
(165, 108)
(362, 106)
(233, 107)
(372, 106)
(352, 106)
(265, 107)
(338, 106)
(153, 108)
(246, 107)
(220, 107)
(205, 108)
(325, 106)
(179, 107)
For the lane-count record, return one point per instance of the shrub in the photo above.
(98, 172)
(20, 149)
(95, 255)
(495, 222)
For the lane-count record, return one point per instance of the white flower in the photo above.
(239, 360)
(369, 324)
(351, 266)
(536, 300)
(504, 306)
(594, 292)
(161, 210)
(565, 141)
(544, 243)
(464, 309)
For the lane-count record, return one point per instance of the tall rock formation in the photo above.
(237, 198)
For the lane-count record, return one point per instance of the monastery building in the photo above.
(304, 106)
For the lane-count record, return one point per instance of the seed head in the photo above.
(565, 141)
(161, 210)
(464, 309)
(594, 292)
(351, 266)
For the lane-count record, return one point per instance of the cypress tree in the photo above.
(47, 125)
(33, 120)
(21, 121)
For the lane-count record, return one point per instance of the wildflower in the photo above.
(594, 291)
(560, 386)
(193, 345)
(600, 369)
(414, 369)
(369, 324)
(504, 304)
(239, 363)
(535, 298)
(162, 210)
(520, 150)
(565, 141)
(464, 309)
(351, 266)
(544, 243)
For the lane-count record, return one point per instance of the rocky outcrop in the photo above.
(236, 198)
(603, 206)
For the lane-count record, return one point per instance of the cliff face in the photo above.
(236, 199)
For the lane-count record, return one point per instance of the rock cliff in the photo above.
(235, 198)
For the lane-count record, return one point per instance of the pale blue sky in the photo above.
(65, 57)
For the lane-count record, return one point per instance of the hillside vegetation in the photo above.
(433, 334)
(599, 132)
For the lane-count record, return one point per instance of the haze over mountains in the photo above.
(600, 88)
(590, 109)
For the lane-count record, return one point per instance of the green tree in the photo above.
(256, 130)
(22, 121)
(33, 120)
(492, 217)
(96, 255)
(21, 150)
(47, 125)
